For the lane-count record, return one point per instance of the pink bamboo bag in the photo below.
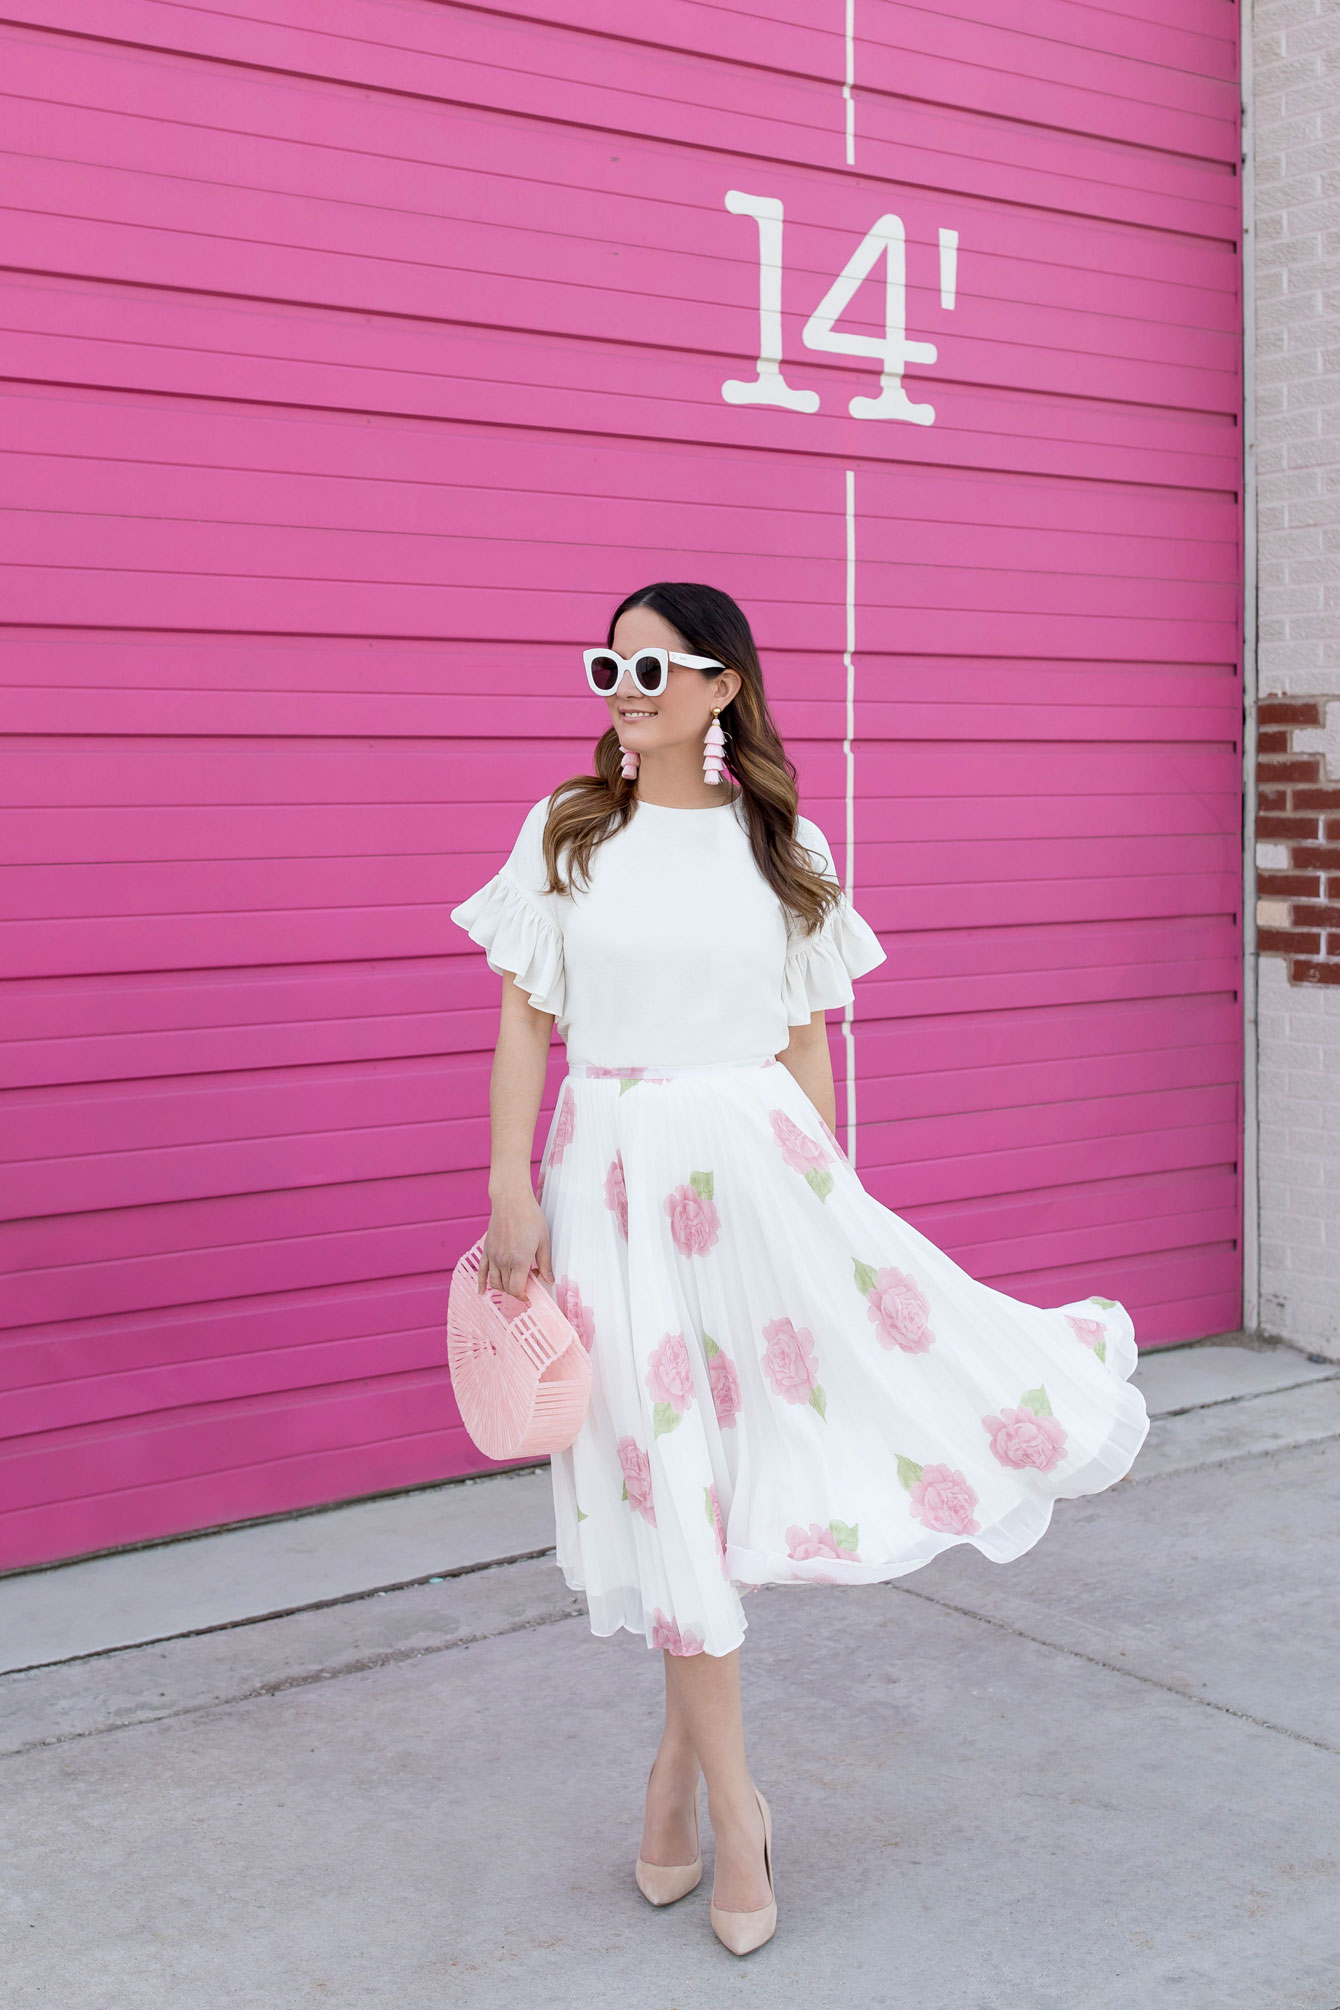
(520, 1373)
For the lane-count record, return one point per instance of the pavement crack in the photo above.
(1116, 1668)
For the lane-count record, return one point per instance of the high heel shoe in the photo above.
(663, 1883)
(742, 1932)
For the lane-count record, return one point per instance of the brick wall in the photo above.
(1298, 840)
(1296, 158)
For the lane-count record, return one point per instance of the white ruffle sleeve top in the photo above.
(678, 952)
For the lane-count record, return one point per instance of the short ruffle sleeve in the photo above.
(820, 966)
(514, 921)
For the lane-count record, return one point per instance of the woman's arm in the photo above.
(809, 1060)
(517, 1240)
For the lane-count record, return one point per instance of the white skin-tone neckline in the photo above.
(666, 732)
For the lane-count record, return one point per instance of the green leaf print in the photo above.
(583, 1516)
(624, 1493)
(710, 1348)
(867, 1277)
(909, 1472)
(819, 1182)
(703, 1184)
(665, 1419)
(819, 1402)
(846, 1534)
(1100, 1350)
(1036, 1401)
(1106, 1303)
(707, 1504)
(627, 1082)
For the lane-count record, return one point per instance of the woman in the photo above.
(790, 1384)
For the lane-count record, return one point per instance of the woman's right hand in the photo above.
(515, 1243)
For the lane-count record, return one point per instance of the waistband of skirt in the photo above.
(648, 1071)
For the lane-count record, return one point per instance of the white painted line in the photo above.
(848, 1026)
(849, 81)
(948, 267)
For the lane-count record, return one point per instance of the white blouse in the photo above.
(678, 951)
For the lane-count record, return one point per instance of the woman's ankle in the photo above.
(676, 1763)
(734, 1805)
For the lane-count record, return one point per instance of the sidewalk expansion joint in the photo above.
(284, 1683)
(1247, 1396)
(283, 1611)
(1116, 1668)
(1136, 1478)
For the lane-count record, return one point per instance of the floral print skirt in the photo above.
(790, 1383)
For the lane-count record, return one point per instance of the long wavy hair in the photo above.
(587, 809)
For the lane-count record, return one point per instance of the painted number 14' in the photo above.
(885, 239)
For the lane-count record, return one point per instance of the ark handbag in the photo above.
(520, 1373)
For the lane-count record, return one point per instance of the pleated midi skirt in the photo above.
(790, 1384)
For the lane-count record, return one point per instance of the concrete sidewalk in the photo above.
(1111, 1769)
(265, 1570)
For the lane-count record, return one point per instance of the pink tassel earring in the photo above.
(628, 768)
(714, 748)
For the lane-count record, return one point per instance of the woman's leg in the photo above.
(707, 1693)
(669, 1827)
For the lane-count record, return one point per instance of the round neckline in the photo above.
(686, 810)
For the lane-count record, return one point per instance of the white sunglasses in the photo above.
(650, 668)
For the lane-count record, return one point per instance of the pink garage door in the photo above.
(357, 358)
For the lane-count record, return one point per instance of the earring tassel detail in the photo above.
(628, 769)
(714, 751)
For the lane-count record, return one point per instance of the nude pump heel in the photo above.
(663, 1883)
(742, 1932)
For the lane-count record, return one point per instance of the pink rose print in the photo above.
(565, 1125)
(670, 1379)
(723, 1382)
(636, 1478)
(898, 1307)
(568, 1298)
(627, 1078)
(1090, 1331)
(616, 1194)
(694, 1222)
(803, 1153)
(665, 1633)
(798, 1149)
(790, 1366)
(713, 1506)
(939, 1497)
(669, 1373)
(1019, 1438)
(838, 1540)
